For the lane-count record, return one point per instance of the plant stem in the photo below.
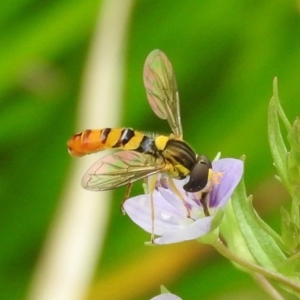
(263, 282)
(222, 249)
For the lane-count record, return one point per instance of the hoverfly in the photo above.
(140, 155)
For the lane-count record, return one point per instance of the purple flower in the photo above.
(171, 220)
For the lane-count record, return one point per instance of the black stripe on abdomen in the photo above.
(104, 134)
(126, 135)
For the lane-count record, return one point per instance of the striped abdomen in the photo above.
(90, 141)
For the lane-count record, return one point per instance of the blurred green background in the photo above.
(225, 55)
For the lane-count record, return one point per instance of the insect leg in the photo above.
(202, 197)
(213, 178)
(174, 189)
(127, 194)
(204, 204)
(151, 187)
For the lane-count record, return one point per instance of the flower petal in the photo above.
(232, 170)
(166, 217)
(194, 230)
(167, 296)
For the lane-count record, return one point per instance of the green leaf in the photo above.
(231, 232)
(293, 159)
(294, 139)
(290, 265)
(261, 245)
(289, 230)
(276, 237)
(280, 111)
(277, 145)
(286, 163)
(295, 214)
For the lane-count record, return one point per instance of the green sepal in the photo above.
(217, 219)
(209, 238)
(213, 234)
(260, 243)
(163, 290)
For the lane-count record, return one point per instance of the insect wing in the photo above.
(118, 169)
(161, 89)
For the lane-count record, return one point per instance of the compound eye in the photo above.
(199, 175)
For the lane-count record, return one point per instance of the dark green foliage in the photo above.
(225, 55)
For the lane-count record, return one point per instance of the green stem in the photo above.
(263, 282)
(222, 249)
